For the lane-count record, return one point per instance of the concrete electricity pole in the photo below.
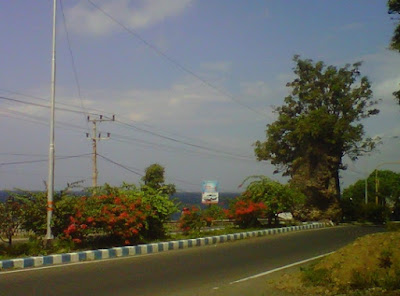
(96, 137)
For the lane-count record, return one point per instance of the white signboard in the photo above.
(209, 192)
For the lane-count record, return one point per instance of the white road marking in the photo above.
(279, 268)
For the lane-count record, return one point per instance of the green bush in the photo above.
(191, 221)
(374, 213)
(213, 212)
(312, 276)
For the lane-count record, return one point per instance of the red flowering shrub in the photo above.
(191, 220)
(118, 216)
(246, 212)
(213, 212)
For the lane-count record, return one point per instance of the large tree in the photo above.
(317, 126)
(394, 9)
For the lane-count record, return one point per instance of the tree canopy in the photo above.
(394, 9)
(154, 179)
(317, 126)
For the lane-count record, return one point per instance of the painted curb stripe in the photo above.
(144, 249)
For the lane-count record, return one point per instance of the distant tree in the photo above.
(394, 9)
(353, 198)
(154, 178)
(11, 218)
(317, 126)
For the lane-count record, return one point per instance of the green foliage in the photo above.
(276, 196)
(154, 179)
(312, 276)
(191, 221)
(154, 176)
(10, 218)
(374, 213)
(394, 9)
(213, 212)
(353, 198)
(35, 211)
(318, 125)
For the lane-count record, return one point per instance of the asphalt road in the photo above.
(195, 271)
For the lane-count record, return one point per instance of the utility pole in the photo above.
(50, 186)
(96, 137)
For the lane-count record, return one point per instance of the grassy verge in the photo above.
(370, 266)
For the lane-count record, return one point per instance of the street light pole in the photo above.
(50, 182)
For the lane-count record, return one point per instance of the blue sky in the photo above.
(187, 80)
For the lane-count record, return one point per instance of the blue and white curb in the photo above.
(146, 248)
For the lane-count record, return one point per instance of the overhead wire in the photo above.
(43, 160)
(180, 141)
(73, 62)
(120, 165)
(137, 128)
(175, 62)
(135, 170)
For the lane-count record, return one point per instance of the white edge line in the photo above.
(279, 268)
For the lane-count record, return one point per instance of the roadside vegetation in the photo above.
(369, 266)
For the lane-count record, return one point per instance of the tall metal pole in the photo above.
(50, 183)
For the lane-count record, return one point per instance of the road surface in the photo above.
(195, 271)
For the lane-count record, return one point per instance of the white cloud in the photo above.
(83, 18)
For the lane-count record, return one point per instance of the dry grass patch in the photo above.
(369, 266)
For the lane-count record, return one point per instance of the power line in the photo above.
(43, 160)
(73, 61)
(175, 62)
(135, 170)
(120, 165)
(141, 129)
(43, 106)
(181, 142)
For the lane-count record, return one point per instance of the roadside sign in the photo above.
(209, 192)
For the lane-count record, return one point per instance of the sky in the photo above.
(192, 85)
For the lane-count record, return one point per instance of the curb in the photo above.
(116, 252)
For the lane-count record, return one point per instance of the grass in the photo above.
(369, 266)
